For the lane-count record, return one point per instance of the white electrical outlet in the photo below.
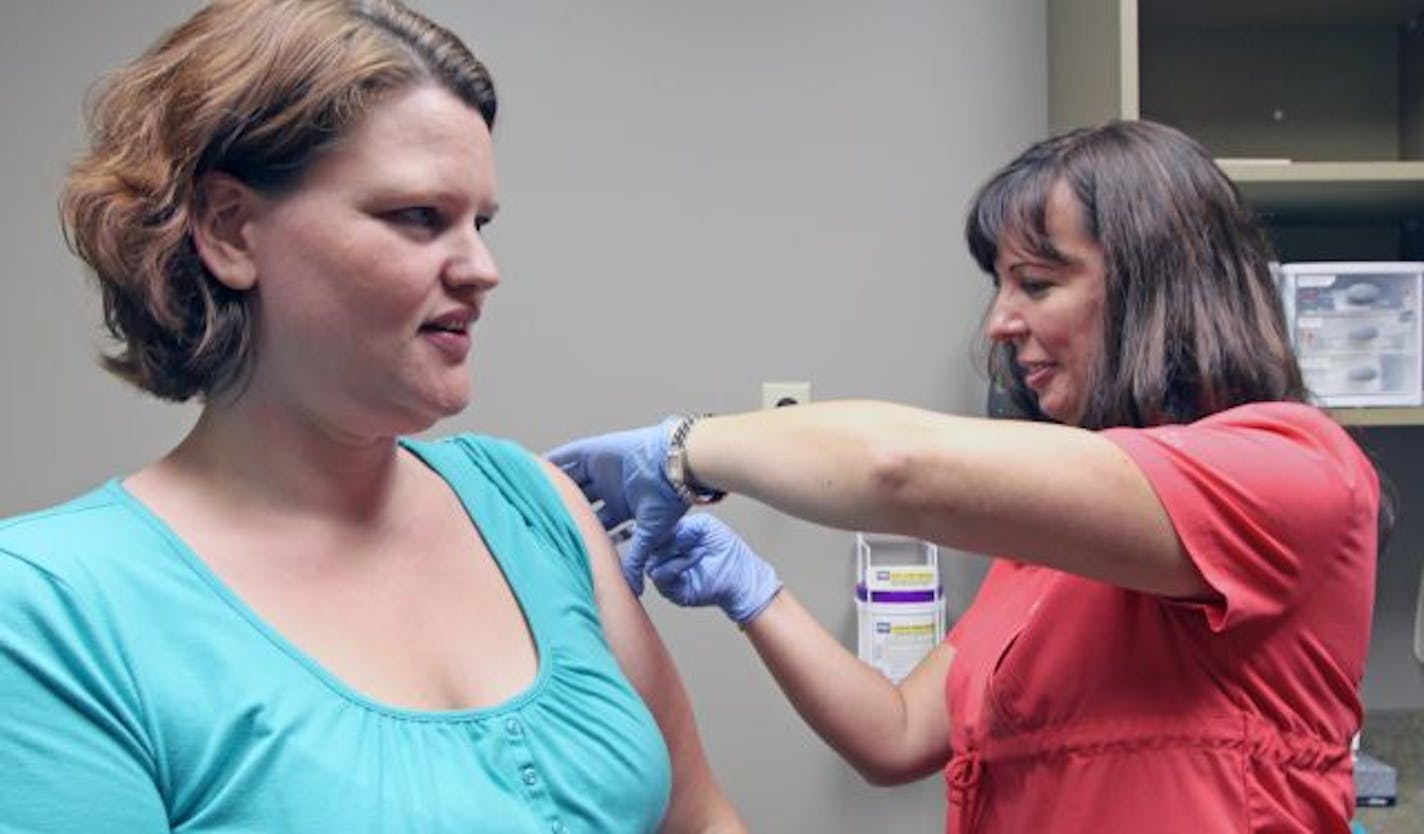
(777, 394)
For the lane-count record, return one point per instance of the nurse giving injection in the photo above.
(1175, 623)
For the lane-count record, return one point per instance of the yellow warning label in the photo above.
(918, 578)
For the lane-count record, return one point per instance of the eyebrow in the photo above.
(437, 194)
(1050, 258)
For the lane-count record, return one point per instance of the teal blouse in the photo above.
(141, 695)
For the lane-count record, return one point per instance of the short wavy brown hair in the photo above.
(258, 90)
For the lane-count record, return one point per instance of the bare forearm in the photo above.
(890, 735)
(820, 462)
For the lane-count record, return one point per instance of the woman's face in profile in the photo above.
(1050, 311)
(372, 273)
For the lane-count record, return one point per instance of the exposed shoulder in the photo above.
(572, 497)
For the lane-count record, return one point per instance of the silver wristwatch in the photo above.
(677, 471)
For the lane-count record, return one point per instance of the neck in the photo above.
(268, 460)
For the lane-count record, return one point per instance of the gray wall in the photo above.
(697, 197)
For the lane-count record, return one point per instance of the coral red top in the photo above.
(1079, 706)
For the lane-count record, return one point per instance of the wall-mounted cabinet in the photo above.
(1314, 107)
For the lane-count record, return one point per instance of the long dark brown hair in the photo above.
(1192, 321)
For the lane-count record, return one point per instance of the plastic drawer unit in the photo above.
(1356, 331)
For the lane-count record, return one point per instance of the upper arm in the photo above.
(68, 747)
(1053, 495)
(697, 803)
(1181, 511)
(928, 721)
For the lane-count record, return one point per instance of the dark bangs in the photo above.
(1011, 207)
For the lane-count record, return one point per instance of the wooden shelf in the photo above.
(1268, 13)
(1399, 416)
(1314, 108)
(1340, 190)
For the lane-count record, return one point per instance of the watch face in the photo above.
(676, 469)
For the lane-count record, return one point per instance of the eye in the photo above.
(482, 221)
(422, 217)
(1033, 287)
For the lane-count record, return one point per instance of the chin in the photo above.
(421, 416)
(448, 408)
(444, 400)
(1055, 411)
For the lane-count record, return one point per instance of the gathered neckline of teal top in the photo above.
(543, 657)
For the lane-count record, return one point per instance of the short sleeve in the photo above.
(1263, 498)
(71, 758)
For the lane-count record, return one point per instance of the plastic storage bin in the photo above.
(1356, 330)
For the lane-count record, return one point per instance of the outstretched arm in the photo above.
(698, 804)
(1054, 495)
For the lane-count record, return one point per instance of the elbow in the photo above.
(885, 776)
(885, 771)
(891, 470)
(890, 463)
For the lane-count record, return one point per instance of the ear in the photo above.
(223, 215)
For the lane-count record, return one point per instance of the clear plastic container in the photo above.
(1356, 330)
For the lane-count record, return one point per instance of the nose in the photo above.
(471, 263)
(1005, 323)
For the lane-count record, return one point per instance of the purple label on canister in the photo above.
(926, 595)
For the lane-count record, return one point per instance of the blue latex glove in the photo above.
(707, 563)
(624, 470)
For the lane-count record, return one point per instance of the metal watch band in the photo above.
(677, 471)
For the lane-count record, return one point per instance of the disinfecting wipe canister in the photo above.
(899, 602)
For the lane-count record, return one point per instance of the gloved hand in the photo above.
(624, 470)
(707, 563)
